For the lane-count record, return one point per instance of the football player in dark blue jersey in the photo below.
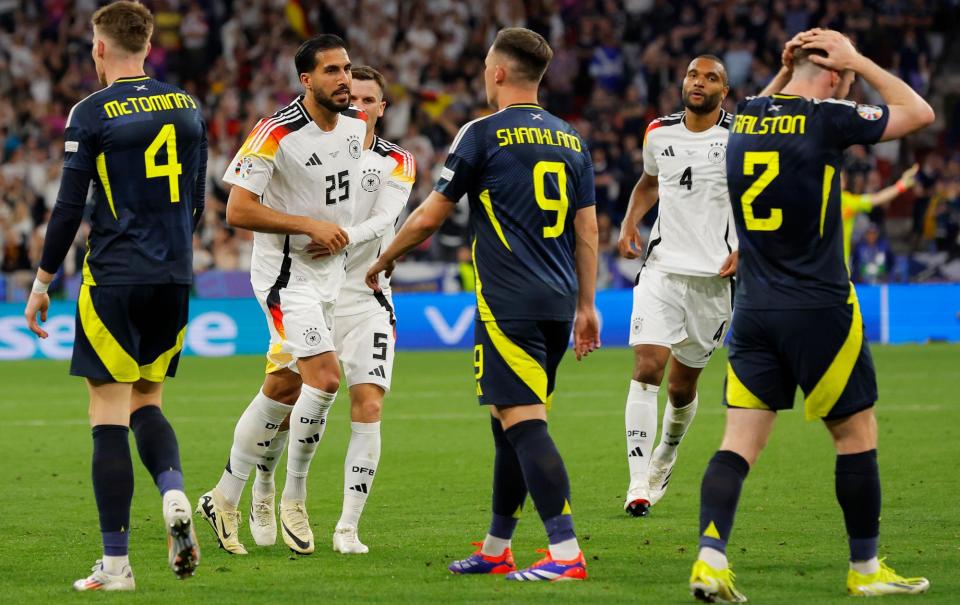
(143, 144)
(529, 181)
(798, 322)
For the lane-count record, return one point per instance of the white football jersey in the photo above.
(386, 180)
(694, 232)
(297, 168)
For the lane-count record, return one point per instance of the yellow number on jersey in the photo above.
(540, 170)
(172, 169)
(772, 161)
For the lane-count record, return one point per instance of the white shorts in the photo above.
(299, 324)
(365, 344)
(689, 315)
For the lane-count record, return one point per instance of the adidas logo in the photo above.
(635, 453)
(378, 371)
(263, 468)
(265, 443)
(314, 439)
(314, 161)
(360, 487)
(668, 152)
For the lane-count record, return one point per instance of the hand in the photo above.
(328, 235)
(729, 267)
(841, 54)
(630, 243)
(316, 250)
(909, 176)
(586, 332)
(37, 303)
(372, 278)
(786, 57)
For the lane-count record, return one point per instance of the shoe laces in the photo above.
(887, 574)
(262, 512)
(546, 558)
(299, 517)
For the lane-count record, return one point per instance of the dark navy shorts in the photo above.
(128, 333)
(823, 351)
(516, 361)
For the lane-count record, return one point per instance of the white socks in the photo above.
(494, 546)
(114, 565)
(359, 468)
(264, 485)
(641, 422)
(308, 420)
(866, 568)
(252, 436)
(713, 557)
(676, 421)
(565, 551)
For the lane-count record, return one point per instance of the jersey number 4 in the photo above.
(172, 169)
(771, 159)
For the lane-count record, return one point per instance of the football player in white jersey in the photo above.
(682, 298)
(364, 324)
(295, 181)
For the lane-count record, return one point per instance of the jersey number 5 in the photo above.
(772, 161)
(540, 172)
(172, 169)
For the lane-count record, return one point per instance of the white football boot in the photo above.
(296, 526)
(225, 522)
(346, 541)
(101, 580)
(263, 519)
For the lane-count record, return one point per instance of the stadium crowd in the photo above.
(618, 64)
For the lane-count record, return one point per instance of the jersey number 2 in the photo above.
(172, 169)
(772, 161)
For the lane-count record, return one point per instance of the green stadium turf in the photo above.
(431, 495)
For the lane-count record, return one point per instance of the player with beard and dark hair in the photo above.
(681, 301)
(308, 150)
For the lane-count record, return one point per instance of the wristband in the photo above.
(39, 287)
(901, 187)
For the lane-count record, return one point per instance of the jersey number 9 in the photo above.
(772, 161)
(172, 169)
(540, 172)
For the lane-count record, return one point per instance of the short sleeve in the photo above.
(850, 124)
(463, 163)
(586, 190)
(82, 138)
(649, 158)
(253, 166)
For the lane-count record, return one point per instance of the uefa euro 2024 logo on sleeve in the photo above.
(244, 167)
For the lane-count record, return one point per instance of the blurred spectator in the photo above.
(618, 64)
(872, 258)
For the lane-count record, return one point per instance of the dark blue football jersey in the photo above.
(783, 170)
(526, 173)
(144, 143)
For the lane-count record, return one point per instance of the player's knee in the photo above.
(681, 392)
(647, 370)
(282, 388)
(366, 409)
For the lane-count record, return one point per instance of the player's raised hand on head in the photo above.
(37, 303)
(786, 57)
(841, 54)
(729, 267)
(328, 235)
(630, 243)
(586, 332)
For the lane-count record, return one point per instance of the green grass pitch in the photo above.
(431, 496)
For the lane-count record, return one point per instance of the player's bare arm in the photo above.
(782, 78)
(422, 223)
(642, 199)
(586, 325)
(244, 210)
(909, 112)
(39, 302)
